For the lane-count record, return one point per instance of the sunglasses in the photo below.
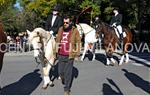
(66, 22)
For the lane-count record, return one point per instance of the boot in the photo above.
(121, 37)
(67, 93)
(63, 80)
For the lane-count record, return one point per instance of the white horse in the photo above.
(90, 38)
(44, 45)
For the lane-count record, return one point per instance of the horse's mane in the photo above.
(41, 32)
(106, 24)
(86, 26)
(107, 29)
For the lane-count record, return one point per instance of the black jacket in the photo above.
(57, 24)
(116, 19)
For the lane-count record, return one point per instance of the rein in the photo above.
(41, 56)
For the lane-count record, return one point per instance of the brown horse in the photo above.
(3, 40)
(111, 41)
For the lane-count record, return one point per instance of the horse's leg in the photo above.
(122, 59)
(108, 61)
(127, 58)
(46, 77)
(93, 51)
(109, 51)
(126, 51)
(85, 49)
(113, 60)
(112, 50)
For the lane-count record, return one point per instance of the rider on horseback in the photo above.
(116, 22)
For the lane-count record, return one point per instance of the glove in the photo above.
(51, 32)
(114, 25)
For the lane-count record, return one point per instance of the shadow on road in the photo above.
(75, 74)
(107, 89)
(137, 61)
(101, 58)
(140, 62)
(137, 81)
(25, 86)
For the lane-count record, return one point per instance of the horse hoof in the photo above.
(93, 59)
(120, 64)
(81, 59)
(45, 86)
(51, 85)
(126, 62)
(59, 78)
(113, 63)
(109, 64)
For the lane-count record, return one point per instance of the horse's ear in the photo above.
(28, 32)
(77, 25)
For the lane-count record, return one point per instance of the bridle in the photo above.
(99, 31)
(41, 55)
(83, 30)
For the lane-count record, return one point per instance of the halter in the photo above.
(41, 56)
(83, 30)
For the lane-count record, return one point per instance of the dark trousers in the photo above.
(65, 67)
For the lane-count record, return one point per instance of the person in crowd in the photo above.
(116, 22)
(54, 21)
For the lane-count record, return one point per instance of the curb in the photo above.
(18, 53)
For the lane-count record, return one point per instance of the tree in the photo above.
(95, 7)
(5, 4)
(40, 7)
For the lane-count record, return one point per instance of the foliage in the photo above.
(34, 12)
(2, 2)
(9, 19)
(40, 7)
(5, 4)
(95, 7)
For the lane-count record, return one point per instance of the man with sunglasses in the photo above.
(68, 50)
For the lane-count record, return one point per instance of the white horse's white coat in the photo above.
(90, 37)
(47, 41)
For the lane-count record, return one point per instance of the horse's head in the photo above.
(80, 29)
(36, 39)
(99, 29)
(84, 28)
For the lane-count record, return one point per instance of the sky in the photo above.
(17, 5)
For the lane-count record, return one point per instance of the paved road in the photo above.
(21, 77)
